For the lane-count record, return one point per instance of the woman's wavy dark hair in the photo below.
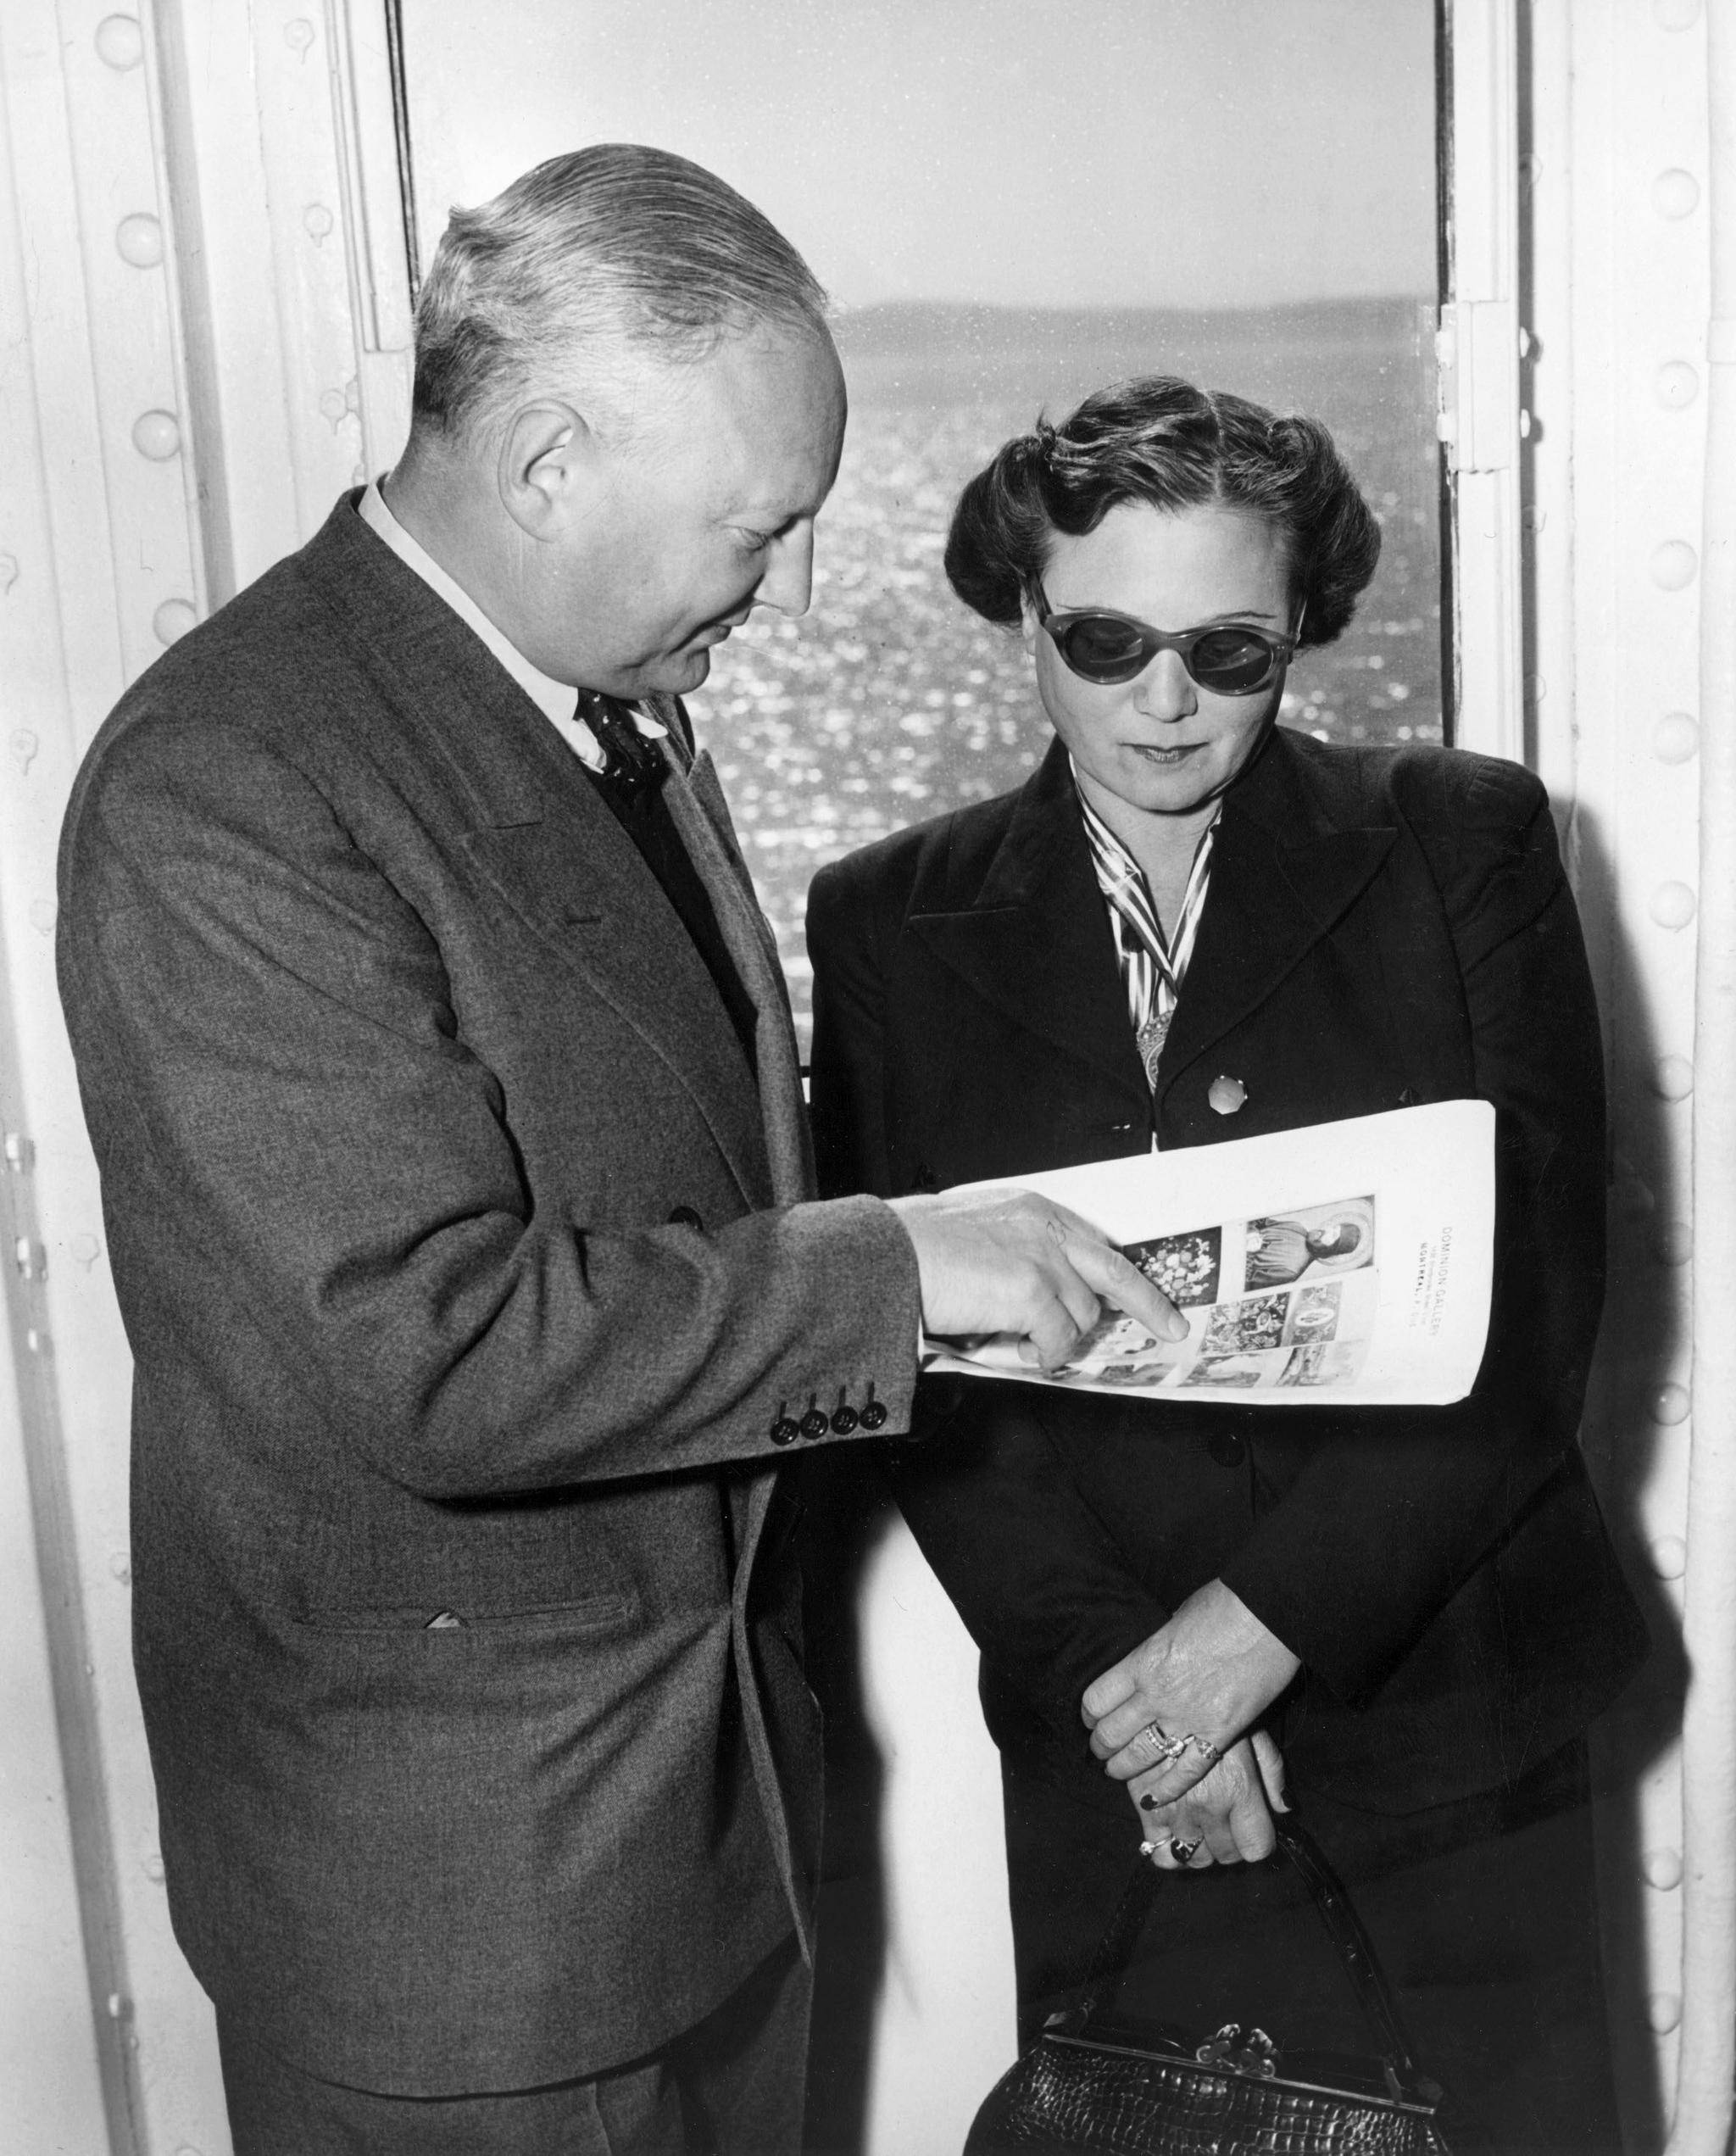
(1159, 440)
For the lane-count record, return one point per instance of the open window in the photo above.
(1010, 206)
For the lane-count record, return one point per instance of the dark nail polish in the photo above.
(1147, 1802)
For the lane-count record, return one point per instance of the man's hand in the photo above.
(1225, 1818)
(1165, 1713)
(1009, 1261)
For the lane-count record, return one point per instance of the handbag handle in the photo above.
(1343, 1927)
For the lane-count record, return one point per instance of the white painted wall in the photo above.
(203, 287)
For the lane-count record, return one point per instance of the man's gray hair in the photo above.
(610, 245)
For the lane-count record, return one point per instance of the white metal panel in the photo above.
(1479, 355)
(286, 159)
(230, 126)
(1701, 2126)
(1618, 295)
(945, 2025)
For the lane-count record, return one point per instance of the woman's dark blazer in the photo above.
(1384, 927)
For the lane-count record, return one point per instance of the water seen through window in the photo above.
(1011, 204)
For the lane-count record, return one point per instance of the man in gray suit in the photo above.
(457, 1187)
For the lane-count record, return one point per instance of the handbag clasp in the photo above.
(1248, 2051)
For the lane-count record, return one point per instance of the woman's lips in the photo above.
(1171, 753)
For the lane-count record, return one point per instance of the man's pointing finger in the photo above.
(1116, 1280)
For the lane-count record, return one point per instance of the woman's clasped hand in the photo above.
(1168, 1720)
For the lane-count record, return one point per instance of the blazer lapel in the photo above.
(1281, 876)
(1035, 942)
(578, 881)
(538, 831)
(702, 817)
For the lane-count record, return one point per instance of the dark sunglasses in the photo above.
(1229, 660)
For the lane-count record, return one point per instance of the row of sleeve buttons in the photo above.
(817, 1422)
(842, 1421)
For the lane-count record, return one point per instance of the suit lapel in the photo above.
(701, 816)
(1281, 876)
(538, 831)
(1034, 942)
(578, 881)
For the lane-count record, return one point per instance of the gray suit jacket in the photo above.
(464, 1622)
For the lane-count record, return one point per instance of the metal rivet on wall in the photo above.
(1676, 737)
(317, 220)
(298, 35)
(172, 620)
(121, 43)
(1673, 905)
(1662, 1869)
(152, 1865)
(1675, 193)
(121, 1568)
(156, 435)
(1669, 1404)
(139, 240)
(1669, 1557)
(23, 746)
(1672, 1242)
(1674, 564)
(1663, 2010)
(1635, 1196)
(86, 1250)
(8, 571)
(43, 916)
(1678, 384)
(1672, 1077)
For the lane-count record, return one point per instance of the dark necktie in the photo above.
(630, 761)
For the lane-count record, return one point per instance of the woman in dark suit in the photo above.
(1188, 925)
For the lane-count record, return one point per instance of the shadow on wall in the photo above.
(847, 1508)
(1635, 1440)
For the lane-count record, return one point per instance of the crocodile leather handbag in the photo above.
(1140, 2089)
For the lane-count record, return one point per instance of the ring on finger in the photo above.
(1168, 1749)
(1171, 1749)
(1183, 1852)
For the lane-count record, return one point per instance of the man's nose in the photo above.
(1165, 689)
(788, 582)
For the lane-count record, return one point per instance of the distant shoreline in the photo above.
(897, 324)
(1317, 354)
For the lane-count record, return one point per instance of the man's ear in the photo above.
(547, 468)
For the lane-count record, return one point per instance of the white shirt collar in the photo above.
(555, 699)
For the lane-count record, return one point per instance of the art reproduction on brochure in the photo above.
(1291, 1293)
